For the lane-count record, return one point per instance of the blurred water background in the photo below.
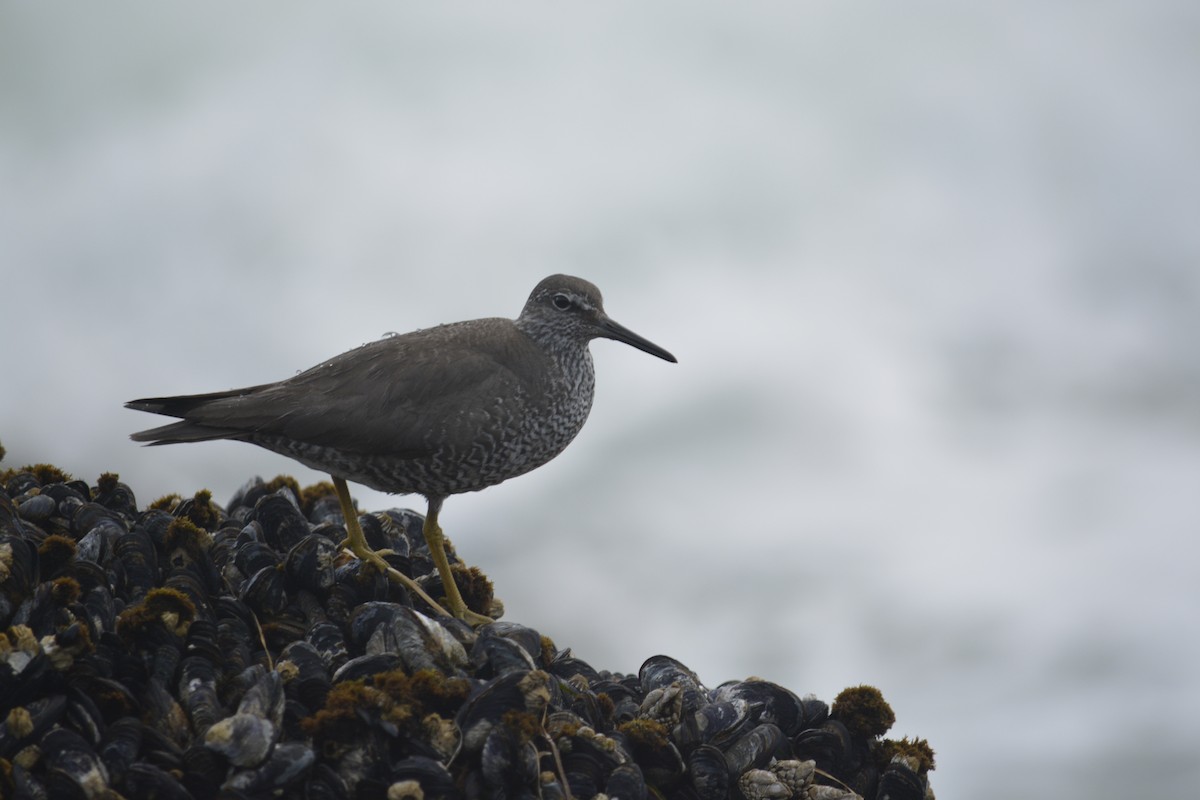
(930, 269)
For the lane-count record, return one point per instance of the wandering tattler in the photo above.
(437, 412)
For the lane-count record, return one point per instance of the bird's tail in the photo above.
(183, 406)
(185, 431)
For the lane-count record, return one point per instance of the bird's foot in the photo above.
(356, 542)
(376, 557)
(346, 544)
(475, 620)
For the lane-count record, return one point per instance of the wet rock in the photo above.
(191, 651)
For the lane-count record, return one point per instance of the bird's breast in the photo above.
(541, 422)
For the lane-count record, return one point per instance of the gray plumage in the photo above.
(438, 411)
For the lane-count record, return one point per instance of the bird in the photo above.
(438, 411)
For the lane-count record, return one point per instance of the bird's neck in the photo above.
(571, 357)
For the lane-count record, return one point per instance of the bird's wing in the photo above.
(402, 395)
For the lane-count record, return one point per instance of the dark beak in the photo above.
(612, 330)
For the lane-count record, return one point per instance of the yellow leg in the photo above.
(437, 549)
(358, 545)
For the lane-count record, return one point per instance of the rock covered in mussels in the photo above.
(186, 650)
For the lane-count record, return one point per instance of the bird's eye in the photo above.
(561, 302)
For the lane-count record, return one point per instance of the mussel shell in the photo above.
(325, 784)
(815, 711)
(194, 587)
(113, 697)
(203, 770)
(421, 642)
(247, 495)
(329, 641)
(198, 691)
(310, 562)
(831, 745)
(661, 763)
(660, 672)
(285, 627)
(119, 498)
(72, 767)
(37, 508)
(626, 782)
(264, 698)
(156, 523)
(755, 748)
(365, 666)
(234, 638)
(252, 555)
(625, 702)
(282, 523)
(368, 618)
(716, 723)
(587, 767)
(287, 763)
(355, 582)
(495, 655)
(513, 691)
(164, 714)
(146, 780)
(42, 612)
(24, 675)
(900, 782)
(162, 661)
(768, 702)
(266, 591)
(431, 775)
(245, 739)
(310, 682)
(20, 483)
(709, 773)
(404, 530)
(10, 521)
(76, 491)
(138, 561)
(25, 785)
(95, 545)
(326, 510)
(566, 666)
(508, 762)
(411, 523)
(120, 747)
(308, 605)
(18, 566)
(223, 545)
(85, 716)
(89, 516)
(527, 638)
